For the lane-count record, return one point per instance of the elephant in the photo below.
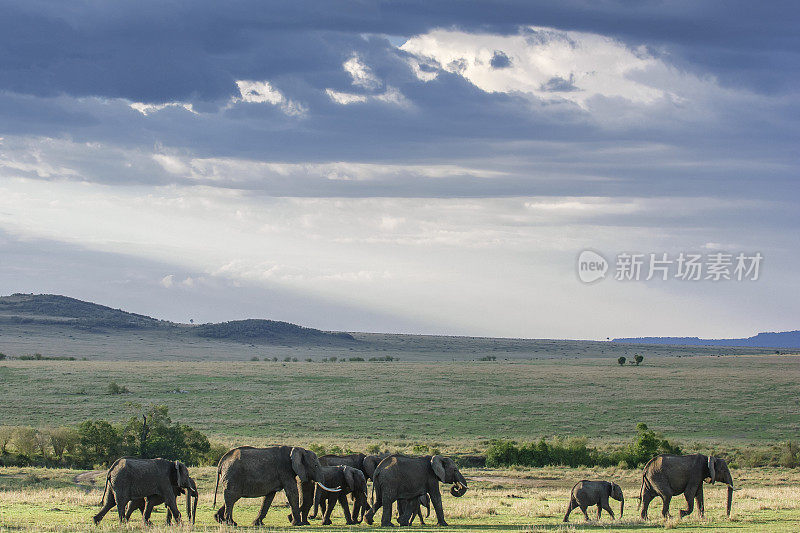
(401, 477)
(130, 478)
(586, 493)
(416, 508)
(146, 505)
(669, 475)
(354, 460)
(248, 472)
(371, 462)
(352, 481)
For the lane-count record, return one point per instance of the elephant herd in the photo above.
(411, 482)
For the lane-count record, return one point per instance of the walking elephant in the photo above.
(130, 479)
(670, 475)
(400, 477)
(248, 472)
(586, 493)
(146, 505)
(354, 460)
(352, 481)
(416, 508)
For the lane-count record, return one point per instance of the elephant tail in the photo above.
(216, 487)
(105, 488)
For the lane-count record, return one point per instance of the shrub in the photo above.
(254, 358)
(374, 449)
(356, 359)
(24, 441)
(621, 361)
(115, 388)
(638, 359)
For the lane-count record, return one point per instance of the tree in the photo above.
(638, 359)
(621, 361)
(63, 439)
(6, 434)
(24, 441)
(99, 442)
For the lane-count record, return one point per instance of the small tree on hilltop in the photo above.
(621, 361)
(638, 359)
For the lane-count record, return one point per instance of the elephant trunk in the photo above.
(189, 505)
(621, 507)
(459, 488)
(730, 501)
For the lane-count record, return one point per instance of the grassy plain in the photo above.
(498, 501)
(456, 405)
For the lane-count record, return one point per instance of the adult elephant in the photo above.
(670, 475)
(371, 462)
(400, 477)
(130, 478)
(586, 493)
(146, 505)
(352, 481)
(248, 472)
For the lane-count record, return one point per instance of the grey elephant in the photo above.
(370, 463)
(670, 475)
(146, 505)
(131, 478)
(586, 493)
(354, 460)
(416, 508)
(248, 472)
(352, 481)
(400, 477)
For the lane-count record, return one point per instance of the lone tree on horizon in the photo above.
(621, 361)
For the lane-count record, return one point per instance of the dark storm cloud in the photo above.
(155, 51)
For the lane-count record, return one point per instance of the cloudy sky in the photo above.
(418, 166)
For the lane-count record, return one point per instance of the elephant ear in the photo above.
(297, 464)
(350, 479)
(711, 470)
(437, 462)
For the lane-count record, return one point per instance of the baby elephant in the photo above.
(586, 493)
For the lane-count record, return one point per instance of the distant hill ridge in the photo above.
(783, 339)
(63, 310)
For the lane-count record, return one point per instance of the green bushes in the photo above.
(99, 442)
(575, 451)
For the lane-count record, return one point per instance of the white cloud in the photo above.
(548, 64)
(147, 109)
(361, 74)
(345, 98)
(167, 281)
(262, 92)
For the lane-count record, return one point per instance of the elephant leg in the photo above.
(293, 497)
(329, 505)
(122, 503)
(219, 516)
(306, 501)
(665, 507)
(606, 507)
(317, 501)
(583, 508)
(418, 512)
(572, 505)
(148, 510)
(407, 513)
(375, 505)
(699, 498)
(599, 510)
(230, 500)
(107, 506)
(346, 509)
(647, 497)
(386, 517)
(436, 500)
(265, 504)
(172, 505)
(689, 495)
(131, 508)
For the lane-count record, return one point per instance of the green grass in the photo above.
(498, 500)
(714, 399)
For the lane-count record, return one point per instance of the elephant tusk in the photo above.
(337, 489)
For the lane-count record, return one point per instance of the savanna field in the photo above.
(735, 405)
